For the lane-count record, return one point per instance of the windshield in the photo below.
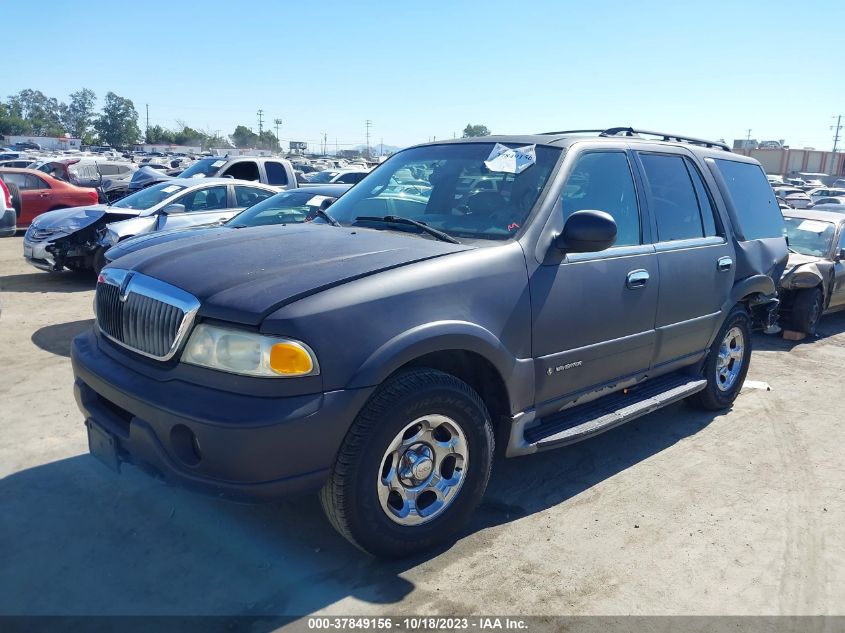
(809, 237)
(323, 176)
(149, 197)
(203, 167)
(468, 190)
(283, 208)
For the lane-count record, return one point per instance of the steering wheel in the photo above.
(486, 203)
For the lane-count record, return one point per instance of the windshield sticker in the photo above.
(511, 161)
(316, 201)
(218, 163)
(813, 226)
(171, 189)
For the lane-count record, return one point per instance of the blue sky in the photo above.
(426, 69)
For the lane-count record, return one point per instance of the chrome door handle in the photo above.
(637, 279)
(724, 264)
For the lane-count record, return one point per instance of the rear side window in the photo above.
(248, 196)
(678, 199)
(276, 174)
(602, 181)
(350, 178)
(754, 202)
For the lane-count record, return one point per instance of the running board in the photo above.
(584, 421)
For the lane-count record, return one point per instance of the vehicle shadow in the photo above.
(829, 326)
(47, 282)
(77, 539)
(56, 339)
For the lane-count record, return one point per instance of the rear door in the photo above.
(277, 175)
(694, 257)
(246, 196)
(36, 196)
(202, 206)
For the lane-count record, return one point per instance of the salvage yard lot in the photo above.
(680, 512)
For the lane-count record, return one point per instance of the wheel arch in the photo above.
(465, 350)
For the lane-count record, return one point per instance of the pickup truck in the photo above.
(380, 353)
(277, 172)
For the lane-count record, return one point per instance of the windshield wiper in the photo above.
(398, 219)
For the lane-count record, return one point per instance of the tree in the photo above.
(476, 130)
(157, 135)
(40, 112)
(11, 123)
(78, 116)
(118, 124)
(244, 137)
(268, 140)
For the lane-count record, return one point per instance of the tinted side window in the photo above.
(207, 199)
(602, 181)
(243, 170)
(705, 203)
(34, 182)
(673, 200)
(351, 177)
(15, 179)
(754, 203)
(276, 174)
(248, 196)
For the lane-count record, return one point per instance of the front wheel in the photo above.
(413, 466)
(727, 363)
(807, 309)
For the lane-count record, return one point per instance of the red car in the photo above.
(40, 192)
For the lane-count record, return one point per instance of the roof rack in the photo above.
(629, 131)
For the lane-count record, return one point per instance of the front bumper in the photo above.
(243, 447)
(36, 254)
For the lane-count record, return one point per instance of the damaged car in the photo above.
(814, 280)
(76, 239)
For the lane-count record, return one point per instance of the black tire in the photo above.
(99, 260)
(715, 397)
(350, 496)
(15, 194)
(807, 308)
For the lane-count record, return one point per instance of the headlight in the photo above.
(248, 353)
(109, 238)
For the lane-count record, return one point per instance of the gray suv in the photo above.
(380, 353)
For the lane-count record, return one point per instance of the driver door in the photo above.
(202, 206)
(594, 313)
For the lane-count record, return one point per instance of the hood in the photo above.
(242, 275)
(138, 242)
(145, 176)
(797, 259)
(76, 218)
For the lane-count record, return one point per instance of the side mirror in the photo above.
(170, 209)
(587, 232)
(841, 254)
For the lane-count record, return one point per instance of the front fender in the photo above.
(518, 374)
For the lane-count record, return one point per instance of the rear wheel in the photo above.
(413, 466)
(807, 308)
(727, 363)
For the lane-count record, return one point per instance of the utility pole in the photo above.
(277, 123)
(748, 138)
(260, 122)
(368, 124)
(147, 131)
(381, 148)
(837, 128)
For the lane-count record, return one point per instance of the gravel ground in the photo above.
(680, 512)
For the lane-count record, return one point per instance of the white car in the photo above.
(76, 238)
(825, 192)
(339, 176)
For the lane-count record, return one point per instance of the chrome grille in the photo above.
(143, 314)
